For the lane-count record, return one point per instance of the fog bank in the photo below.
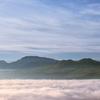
(19, 89)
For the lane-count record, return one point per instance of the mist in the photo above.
(28, 89)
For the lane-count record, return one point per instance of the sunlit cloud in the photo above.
(49, 89)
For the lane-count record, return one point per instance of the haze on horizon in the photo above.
(59, 29)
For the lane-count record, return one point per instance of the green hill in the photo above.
(89, 61)
(68, 69)
(2, 63)
(28, 62)
(47, 68)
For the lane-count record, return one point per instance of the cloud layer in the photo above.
(49, 89)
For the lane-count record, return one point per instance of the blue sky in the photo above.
(60, 29)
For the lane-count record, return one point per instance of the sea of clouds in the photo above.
(28, 89)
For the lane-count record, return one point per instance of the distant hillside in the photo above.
(82, 62)
(2, 63)
(29, 62)
(89, 61)
(68, 69)
(41, 67)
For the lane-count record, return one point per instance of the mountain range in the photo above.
(27, 62)
(47, 68)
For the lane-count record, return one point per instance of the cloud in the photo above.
(49, 89)
(16, 38)
(51, 29)
(93, 9)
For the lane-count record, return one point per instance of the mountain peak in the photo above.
(2, 61)
(34, 57)
(32, 61)
(88, 61)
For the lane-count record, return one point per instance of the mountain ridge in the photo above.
(47, 68)
(35, 60)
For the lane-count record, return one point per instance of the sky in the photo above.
(59, 29)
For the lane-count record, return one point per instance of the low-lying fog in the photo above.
(28, 89)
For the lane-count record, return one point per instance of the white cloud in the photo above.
(49, 89)
(49, 29)
(92, 9)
